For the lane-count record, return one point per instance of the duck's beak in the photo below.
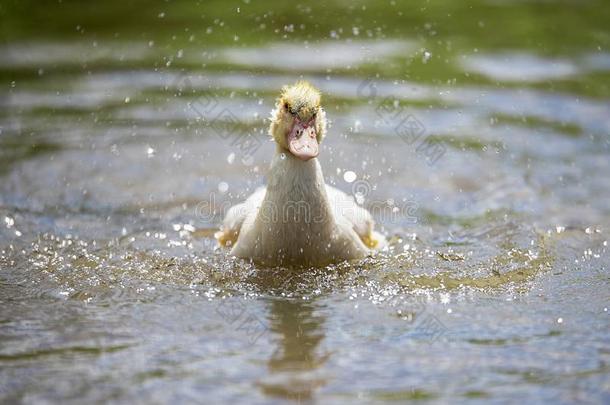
(303, 140)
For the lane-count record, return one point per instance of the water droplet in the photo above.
(231, 158)
(559, 320)
(349, 176)
(9, 222)
(150, 152)
(426, 56)
(282, 156)
(223, 187)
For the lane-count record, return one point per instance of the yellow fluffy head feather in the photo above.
(300, 99)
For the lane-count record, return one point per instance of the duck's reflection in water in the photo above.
(295, 365)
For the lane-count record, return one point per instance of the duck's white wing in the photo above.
(236, 215)
(362, 222)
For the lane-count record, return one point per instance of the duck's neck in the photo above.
(298, 185)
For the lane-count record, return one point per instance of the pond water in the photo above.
(477, 132)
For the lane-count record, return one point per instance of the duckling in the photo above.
(298, 220)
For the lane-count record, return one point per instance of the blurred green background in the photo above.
(447, 29)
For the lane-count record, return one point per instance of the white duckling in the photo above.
(298, 219)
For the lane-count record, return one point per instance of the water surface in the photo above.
(127, 129)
